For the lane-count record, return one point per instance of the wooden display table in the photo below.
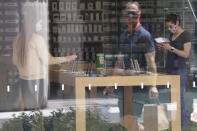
(80, 83)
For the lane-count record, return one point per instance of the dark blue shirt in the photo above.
(174, 61)
(135, 46)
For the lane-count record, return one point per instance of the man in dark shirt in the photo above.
(139, 46)
(136, 43)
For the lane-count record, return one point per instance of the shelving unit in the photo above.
(82, 27)
(75, 28)
(9, 25)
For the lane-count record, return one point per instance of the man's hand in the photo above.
(153, 92)
(108, 90)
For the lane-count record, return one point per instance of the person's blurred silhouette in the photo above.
(31, 57)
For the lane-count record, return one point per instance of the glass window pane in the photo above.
(89, 65)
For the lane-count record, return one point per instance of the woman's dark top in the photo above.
(174, 61)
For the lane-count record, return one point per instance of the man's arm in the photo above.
(150, 59)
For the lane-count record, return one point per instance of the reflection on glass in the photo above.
(30, 55)
(94, 31)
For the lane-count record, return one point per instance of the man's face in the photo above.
(132, 14)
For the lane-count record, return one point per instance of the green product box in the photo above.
(99, 60)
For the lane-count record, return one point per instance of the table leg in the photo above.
(80, 106)
(127, 107)
(129, 121)
(175, 97)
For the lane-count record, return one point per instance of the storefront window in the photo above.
(88, 65)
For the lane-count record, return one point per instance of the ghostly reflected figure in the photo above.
(31, 56)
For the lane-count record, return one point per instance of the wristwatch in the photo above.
(172, 49)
